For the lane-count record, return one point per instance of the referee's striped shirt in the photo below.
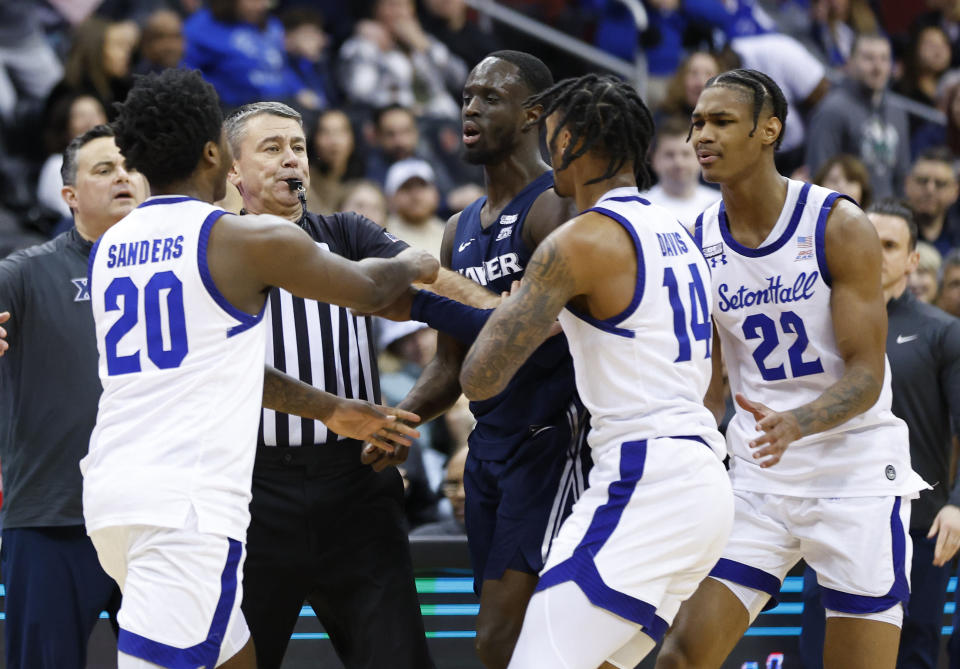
(323, 344)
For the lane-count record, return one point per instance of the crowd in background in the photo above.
(379, 82)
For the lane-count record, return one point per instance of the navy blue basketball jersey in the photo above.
(540, 392)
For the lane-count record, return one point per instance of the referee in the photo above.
(923, 347)
(49, 389)
(324, 528)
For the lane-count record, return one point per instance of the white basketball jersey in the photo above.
(643, 374)
(182, 374)
(772, 311)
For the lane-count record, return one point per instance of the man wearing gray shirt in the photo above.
(49, 389)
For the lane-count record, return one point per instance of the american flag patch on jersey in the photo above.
(804, 242)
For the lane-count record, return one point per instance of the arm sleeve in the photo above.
(950, 382)
(448, 316)
(366, 239)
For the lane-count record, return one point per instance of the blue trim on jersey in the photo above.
(698, 231)
(751, 577)
(205, 653)
(580, 567)
(899, 592)
(160, 199)
(625, 198)
(602, 325)
(821, 232)
(247, 321)
(775, 246)
(641, 268)
(90, 259)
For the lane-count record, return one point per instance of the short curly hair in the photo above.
(165, 122)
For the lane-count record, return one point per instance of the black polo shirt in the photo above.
(923, 346)
(49, 385)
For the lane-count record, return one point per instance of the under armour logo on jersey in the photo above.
(509, 219)
(465, 245)
(714, 254)
(83, 293)
(504, 233)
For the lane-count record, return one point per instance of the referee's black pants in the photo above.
(329, 531)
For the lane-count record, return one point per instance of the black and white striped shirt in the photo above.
(323, 344)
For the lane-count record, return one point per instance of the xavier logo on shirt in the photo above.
(83, 293)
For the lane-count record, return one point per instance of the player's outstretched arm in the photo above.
(268, 251)
(4, 317)
(384, 427)
(860, 329)
(522, 321)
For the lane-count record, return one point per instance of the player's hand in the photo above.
(4, 317)
(779, 431)
(383, 427)
(380, 460)
(946, 527)
(426, 265)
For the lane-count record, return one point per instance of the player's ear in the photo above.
(69, 195)
(531, 117)
(770, 130)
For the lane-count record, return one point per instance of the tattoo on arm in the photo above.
(855, 392)
(286, 394)
(519, 325)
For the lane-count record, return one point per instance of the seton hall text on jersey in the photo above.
(144, 251)
(774, 293)
(508, 263)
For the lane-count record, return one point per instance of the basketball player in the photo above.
(526, 463)
(178, 290)
(630, 289)
(820, 465)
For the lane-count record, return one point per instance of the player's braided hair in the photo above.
(604, 115)
(165, 122)
(765, 90)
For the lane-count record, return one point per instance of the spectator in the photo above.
(397, 137)
(927, 58)
(857, 118)
(948, 296)
(922, 282)
(412, 192)
(932, 134)
(448, 21)
(454, 492)
(239, 48)
(365, 198)
(391, 60)
(29, 68)
(834, 26)
(334, 160)
(99, 62)
(678, 173)
(687, 82)
(161, 45)
(945, 14)
(306, 45)
(49, 389)
(801, 77)
(68, 117)
(848, 175)
(931, 190)
(923, 348)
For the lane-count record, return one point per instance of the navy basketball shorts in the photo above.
(514, 507)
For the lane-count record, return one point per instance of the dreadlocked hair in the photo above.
(765, 91)
(165, 122)
(604, 115)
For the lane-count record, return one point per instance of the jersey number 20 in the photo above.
(164, 358)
